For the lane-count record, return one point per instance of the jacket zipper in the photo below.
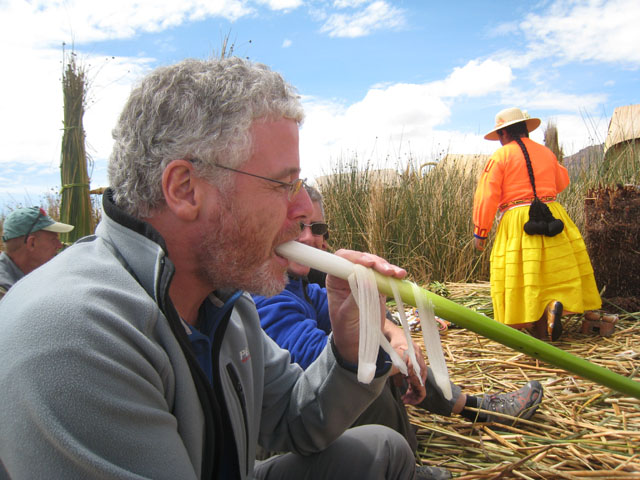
(235, 379)
(210, 406)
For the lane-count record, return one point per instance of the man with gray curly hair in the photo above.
(138, 352)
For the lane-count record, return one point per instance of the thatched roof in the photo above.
(624, 126)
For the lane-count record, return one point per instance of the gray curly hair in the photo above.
(195, 109)
(315, 196)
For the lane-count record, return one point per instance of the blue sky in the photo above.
(381, 80)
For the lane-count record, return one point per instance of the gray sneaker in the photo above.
(425, 472)
(522, 403)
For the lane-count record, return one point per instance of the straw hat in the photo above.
(509, 116)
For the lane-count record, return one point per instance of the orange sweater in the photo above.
(505, 181)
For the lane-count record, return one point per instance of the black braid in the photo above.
(529, 167)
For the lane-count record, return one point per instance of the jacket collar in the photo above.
(140, 246)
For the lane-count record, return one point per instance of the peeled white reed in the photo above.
(365, 293)
(396, 360)
(432, 345)
(343, 268)
(316, 258)
(407, 331)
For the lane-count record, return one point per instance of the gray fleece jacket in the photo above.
(98, 379)
(9, 273)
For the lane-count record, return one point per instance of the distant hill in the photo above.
(584, 158)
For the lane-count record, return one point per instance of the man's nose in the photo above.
(301, 206)
(305, 235)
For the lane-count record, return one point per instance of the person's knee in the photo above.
(379, 449)
(373, 452)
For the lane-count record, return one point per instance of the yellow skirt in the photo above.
(529, 271)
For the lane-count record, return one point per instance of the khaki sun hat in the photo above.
(509, 116)
(23, 221)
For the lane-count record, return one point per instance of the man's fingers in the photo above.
(379, 264)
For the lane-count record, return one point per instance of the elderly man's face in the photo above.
(46, 246)
(308, 238)
(257, 215)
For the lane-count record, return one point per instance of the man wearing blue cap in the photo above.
(31, 239)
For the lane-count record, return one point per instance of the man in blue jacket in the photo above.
(138, 353)
(297, 319)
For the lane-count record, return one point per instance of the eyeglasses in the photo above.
(317, 228)
(42, 213)
(294, 187)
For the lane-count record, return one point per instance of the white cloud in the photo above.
(281, 4)
(476, 79)
(504, 30)
(394, 122)
(36, 116)
(378, 15)
(387, 126)
(34, 63)
(111, 84)
(31, 80)
(50, 22)
(349, 3)
(576, 132)
(568, 102)
(595, 30)
(390, 123)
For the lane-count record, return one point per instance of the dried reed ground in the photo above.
(581, 430)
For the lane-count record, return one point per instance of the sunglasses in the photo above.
(42, 213)
(317, 228)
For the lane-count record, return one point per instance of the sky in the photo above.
(384, 82)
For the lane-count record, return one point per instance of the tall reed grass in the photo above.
(422, 218)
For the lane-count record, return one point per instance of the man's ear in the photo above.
(179, 183)
(31, 241)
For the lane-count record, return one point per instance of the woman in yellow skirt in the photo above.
(535, 278)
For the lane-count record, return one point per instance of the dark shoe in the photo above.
(424, 472)
(522, 403)
(553, 312)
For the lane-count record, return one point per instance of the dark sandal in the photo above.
(554, 320)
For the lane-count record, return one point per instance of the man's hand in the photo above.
(343, 310)
(416, 391)
(479, 243)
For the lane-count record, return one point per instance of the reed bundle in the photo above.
(75, 204)
(580, 431)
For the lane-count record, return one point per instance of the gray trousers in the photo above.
(389, 410)
(373, 452)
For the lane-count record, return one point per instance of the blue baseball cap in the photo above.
(23, 221)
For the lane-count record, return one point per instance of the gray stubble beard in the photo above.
(226, 260)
